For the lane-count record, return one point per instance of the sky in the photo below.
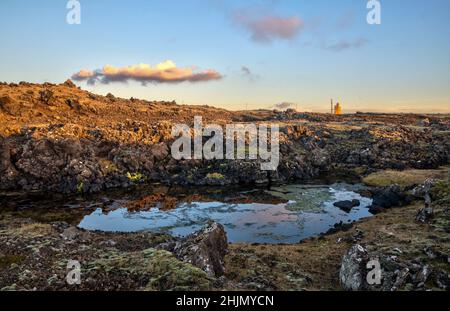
(237, 54)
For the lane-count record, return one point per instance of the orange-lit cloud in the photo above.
(166, 72)
(85, 74)
(266, 28)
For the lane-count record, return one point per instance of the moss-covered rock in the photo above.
(159, 269)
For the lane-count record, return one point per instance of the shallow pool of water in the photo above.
(286, 214)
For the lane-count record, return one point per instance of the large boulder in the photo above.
(388, 197)
(352, 274)
(204, 249)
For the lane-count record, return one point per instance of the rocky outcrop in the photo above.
(66, 140)
(388, 197)
(352, 274)
(204, 249)
(360, 266)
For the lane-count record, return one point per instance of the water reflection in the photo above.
(281, 215)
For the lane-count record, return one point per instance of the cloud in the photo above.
(246, 72)
(265, 28)
(85, 74)
(284, 105)
(346, 45)
(166, 72)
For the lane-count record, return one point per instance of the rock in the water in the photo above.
(347, 206)
(205, 249)
(352, 274)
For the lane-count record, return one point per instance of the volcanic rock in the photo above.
(204, 249)
(352, 274)
(347, 206)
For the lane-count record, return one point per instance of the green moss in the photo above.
(216, 176)
(135, 177)
(169, 273)
(80, 187)
(8, 260)
(163, 270)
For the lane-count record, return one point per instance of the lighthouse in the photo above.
(338, 109)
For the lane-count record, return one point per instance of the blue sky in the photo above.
(401, 65)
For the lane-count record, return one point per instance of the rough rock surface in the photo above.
(394, 274)
(60, 138)
(204, 249)
(388, 197)
(352, 274)
(424, 214)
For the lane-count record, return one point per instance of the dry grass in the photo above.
(35, 229)
(404, 179)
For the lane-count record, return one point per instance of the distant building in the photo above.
(338, 109)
